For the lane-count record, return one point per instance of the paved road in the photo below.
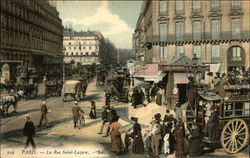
(60, 139)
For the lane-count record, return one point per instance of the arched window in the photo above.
(77, 54)
(67, 54)
(81, 54)
(93, 54)
(236, 53)
(72, 54)
(87, 54)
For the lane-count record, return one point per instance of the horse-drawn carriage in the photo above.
(75, 89)
(53, 88)
(118, 85)
(29, 89)
(101, 77)
(231, 121)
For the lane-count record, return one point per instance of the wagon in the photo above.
(73, 89)
(53, 88)
(233, 121)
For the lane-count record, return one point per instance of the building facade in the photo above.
(87, 47)
(216, 31)
(31, 35)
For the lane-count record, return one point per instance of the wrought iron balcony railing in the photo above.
(198, 37)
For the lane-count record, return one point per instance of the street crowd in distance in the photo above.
(168, 134)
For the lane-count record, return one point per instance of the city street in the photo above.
(60, 137)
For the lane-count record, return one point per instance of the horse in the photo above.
(10, 100)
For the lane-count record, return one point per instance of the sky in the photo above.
(116, 20)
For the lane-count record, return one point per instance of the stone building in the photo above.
(31, 35)
(216, 31)
(87, 47)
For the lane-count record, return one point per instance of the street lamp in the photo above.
(64, 49)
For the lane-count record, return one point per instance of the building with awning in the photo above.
(148, 73)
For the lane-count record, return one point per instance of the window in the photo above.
(93, 53)
(89, 47)
(87, 54)
(196, 5)
(215, 5)
(235, 4)
(236, 54)
(197, 30)
(69, 43)
(179, 30)
(74, 47)
(215, 29)
(179, 50)
(76, 53)
(83, 47)
(197, 51)
(163, 7)
(236, 28)
(163, 54)
(163, 32)
(67, 54)
(81, 54)
(72, 53)
(215, 53)
(179, 6)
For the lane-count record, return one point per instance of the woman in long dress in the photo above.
(92, 113)
(137, 146)
(181, 149)
(159, 97)
(116, 141)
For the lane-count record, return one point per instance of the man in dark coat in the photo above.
(113, 112)
(44, 112)
(29, 131)
(147, 89)
(195, 141)
(107, 98)
(76, 113)
(191, 91)
(212, 125)
(104, 119)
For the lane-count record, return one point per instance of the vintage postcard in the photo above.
(129, 79)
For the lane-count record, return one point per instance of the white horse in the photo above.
(10, 100)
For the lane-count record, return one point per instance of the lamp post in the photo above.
(64, 49)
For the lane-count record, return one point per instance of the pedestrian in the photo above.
(156, 135)
(195, 141)
(159, 97)
(115, 130)
(135, 98)
(222, 83)
(137, 146)
(154, 90)
(29, 131)
(107, 98)
(113, 112)
(104, 119)
(92, 113)
(44, 112)
(167, 128)
(107, 118)
(179, 133)
(76, 113)
(191, 93)
(212, 125)
(147, 89)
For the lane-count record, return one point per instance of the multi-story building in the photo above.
(87, 47)
(216, 31)
(31, 34)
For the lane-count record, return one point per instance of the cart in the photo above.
(53, 89)
(73, 89)
(233, 121)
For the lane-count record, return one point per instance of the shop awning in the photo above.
(149, 70)
(214, 67)
(180, 78)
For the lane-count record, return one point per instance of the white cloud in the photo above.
(109, 24)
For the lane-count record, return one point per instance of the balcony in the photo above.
(200, 38)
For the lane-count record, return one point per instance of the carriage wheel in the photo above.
(234, 136)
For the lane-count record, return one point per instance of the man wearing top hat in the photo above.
(76, 113)
(29, 131)
(156, 135)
